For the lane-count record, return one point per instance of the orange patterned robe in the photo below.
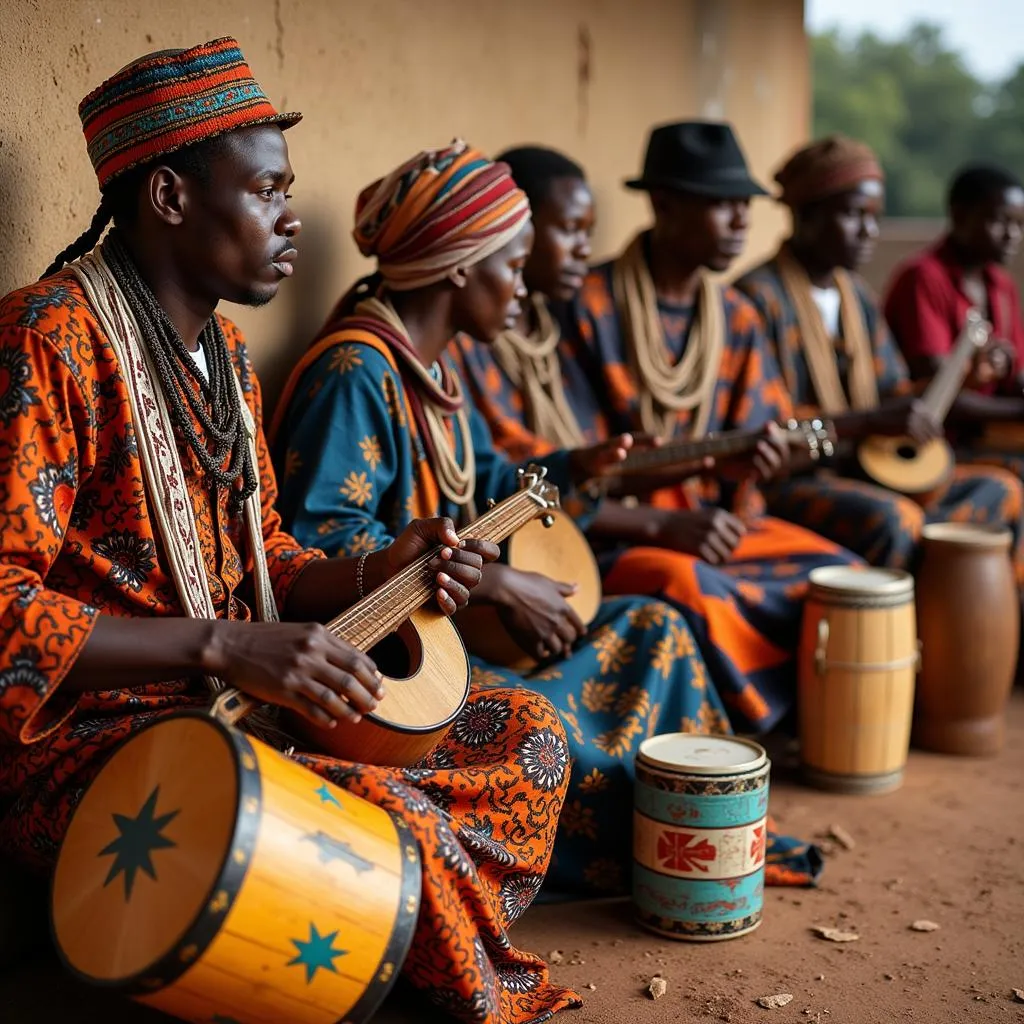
(77, 540)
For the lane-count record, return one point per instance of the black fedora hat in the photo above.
(702, 157)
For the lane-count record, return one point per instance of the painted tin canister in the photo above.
(699, 835)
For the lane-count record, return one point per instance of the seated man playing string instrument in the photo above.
(928, 297)
(139, 531)
(653, 343)
(839, 360)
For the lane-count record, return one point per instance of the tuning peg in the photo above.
(547, 520)
(491, 503)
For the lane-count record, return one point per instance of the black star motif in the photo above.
(139, 837)
(330, 849)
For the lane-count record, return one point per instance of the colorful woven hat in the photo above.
(167, 100)
(440, 211)
(825, 168)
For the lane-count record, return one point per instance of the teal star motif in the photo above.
(139, 837)
(317, 953)
(326, 796)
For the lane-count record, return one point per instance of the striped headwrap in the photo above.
(167, 100)
(441, 211)
(825, 168)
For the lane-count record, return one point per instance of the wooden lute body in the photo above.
(900, 463)
(419, 650)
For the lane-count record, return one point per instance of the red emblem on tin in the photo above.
(757, 844)
(677, 851)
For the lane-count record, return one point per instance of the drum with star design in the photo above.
(209, 876)
(700, 830)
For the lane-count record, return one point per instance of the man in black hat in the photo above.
(653, 344)
(654, 327)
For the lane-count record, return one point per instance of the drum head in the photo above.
(870, 582)
(145, 848)
(693, 754)
(968, 534)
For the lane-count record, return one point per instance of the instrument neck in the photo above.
(940, 395)
(673, 453)
(380, 613)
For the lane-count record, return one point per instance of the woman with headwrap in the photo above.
(374, 428)
(839, 359)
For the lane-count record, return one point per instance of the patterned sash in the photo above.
(167, 497)
(819, 347)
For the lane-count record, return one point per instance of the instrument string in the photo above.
(381, 612)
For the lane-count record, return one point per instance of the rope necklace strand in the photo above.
(531, 364)
(456, 482)
(223, 450)
(668, 388)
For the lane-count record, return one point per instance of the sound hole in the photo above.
(399, 655)
(907, 451)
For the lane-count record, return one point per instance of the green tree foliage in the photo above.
(921, 109)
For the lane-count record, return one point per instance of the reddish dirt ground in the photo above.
(948, 847)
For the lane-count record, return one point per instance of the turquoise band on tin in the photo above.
(698, 900)
(702, 811)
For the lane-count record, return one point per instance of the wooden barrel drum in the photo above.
(857, 661)
(699, 836)
(209, 876)
(970, 624)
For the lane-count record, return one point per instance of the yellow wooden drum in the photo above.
(858, 659)
(209, 876)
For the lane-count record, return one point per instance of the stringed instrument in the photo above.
(900, 463)
(558, 548)
(417, 648)
(817, 435)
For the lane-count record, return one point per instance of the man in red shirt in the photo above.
(930, 294)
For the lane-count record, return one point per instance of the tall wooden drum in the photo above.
(858, 658)
(970, 624)
(208, 876)
(700, 831)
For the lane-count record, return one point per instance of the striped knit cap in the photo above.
(825, 168)
(443, 210)
(167, 100)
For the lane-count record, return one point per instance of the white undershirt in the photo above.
(199, 358)
(827, 301)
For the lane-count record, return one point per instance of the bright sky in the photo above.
(989, 33)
